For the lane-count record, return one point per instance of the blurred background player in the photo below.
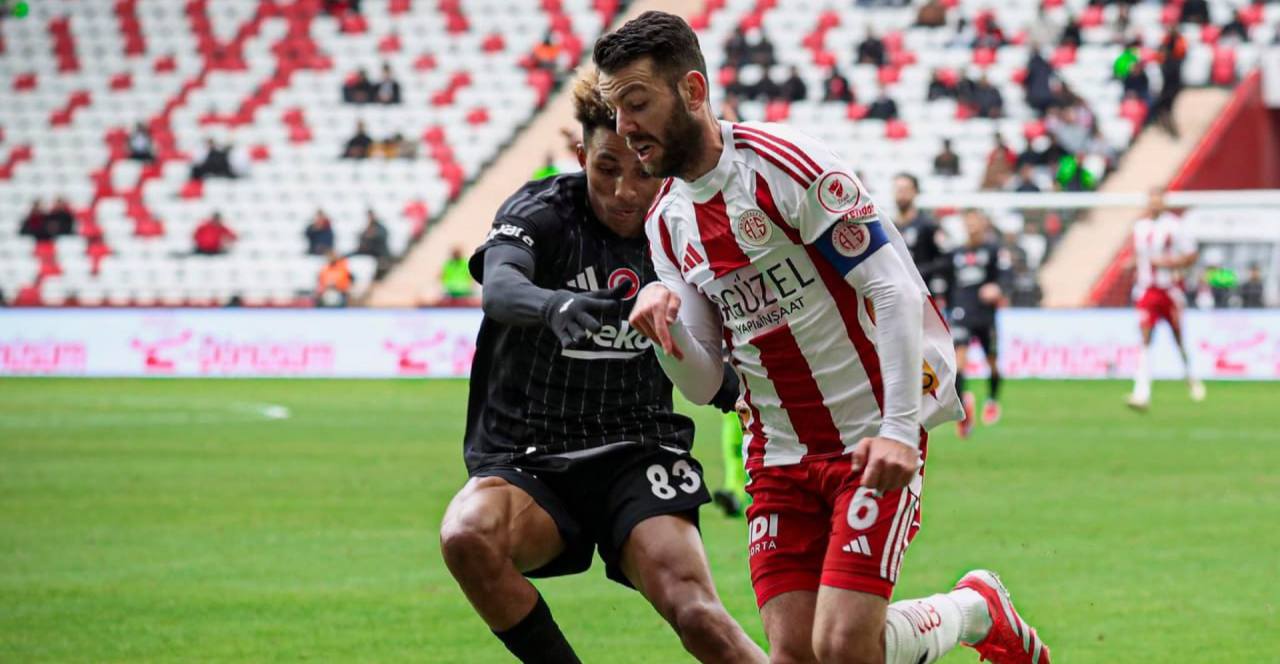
(732, 497)
(571, 443)
(921, 233)
(978, 267)
(1162, 250)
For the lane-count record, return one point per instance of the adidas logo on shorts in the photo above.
(858, 545)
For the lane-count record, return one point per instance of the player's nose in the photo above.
(623, 123)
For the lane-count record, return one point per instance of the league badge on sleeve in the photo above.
(850, 239)
(838, 193)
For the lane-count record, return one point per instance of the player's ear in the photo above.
(694, 89)
(580, 150)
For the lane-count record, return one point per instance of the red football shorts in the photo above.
(813, 523)
(1157, 304)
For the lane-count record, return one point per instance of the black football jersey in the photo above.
(529, 394)
(971, 268)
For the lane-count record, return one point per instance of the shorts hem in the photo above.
(857, 583)
(771, 585)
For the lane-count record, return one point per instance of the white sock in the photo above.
(919, 631)
(1142, 376)
(1186, 364)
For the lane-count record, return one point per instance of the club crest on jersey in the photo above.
(753, 227)
(838, 193)
(625, 274)
(850, 238)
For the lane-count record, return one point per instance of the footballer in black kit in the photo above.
(571, 443)
(979, 269)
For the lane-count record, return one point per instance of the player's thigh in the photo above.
(653, 497)
(788, 528)
(788, 625)
(507, 517)
(870, 533)
(850, 624)
(962, 352)
(664, 559)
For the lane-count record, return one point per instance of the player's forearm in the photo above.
(510, 297)
(700, 374)
(898, 306)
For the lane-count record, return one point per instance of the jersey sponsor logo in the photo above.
(762, 534)
(585, 280)
(929, 379)
(860, 213)
(850, 238)
(512, 231)
(754, 228)
(625, 274)
(763, 298)
(610, 342)
(838, 193)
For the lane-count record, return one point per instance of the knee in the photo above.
(470, 542)
(847, 647)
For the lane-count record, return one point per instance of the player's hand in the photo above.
(886, 464)
(990, 293)
(743, 410)
(575, 316)
(656, 308)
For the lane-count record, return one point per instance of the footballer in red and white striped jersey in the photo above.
(770, 237)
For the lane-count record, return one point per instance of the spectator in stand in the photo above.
(932, 14)
(729, 108)
(1025, 183)
(870, 51)
(373, 242)
(836, 88)
(1252, 291)
(1173, 50)
(947, 163)
(215, 161)
(455, 279)
(387, 148)
(358, 146)
(999, 168)
(1070, 127)
(1072, 175)
(1038, 83)
(358, 89)
(546, 55)
(1195, 11)
(736, 50)
(940, 87)
(883, 108)
(35, 225)
(213, 238)
(340, 7)
(754, 83)
(794, 88)
(1041, 153)
(1131, 73)
(141, 147)
(333, 285)
(319, 234)
(989, 33)
(387, 90)
(986, 100)
(405, 148)
(60, 220)
(1025, 289)
(1071, 34)
(760, 49)
(1235, 29)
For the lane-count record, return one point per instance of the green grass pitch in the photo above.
(180, 521)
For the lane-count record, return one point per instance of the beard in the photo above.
(681, 143)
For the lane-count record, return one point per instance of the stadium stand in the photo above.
(266, 79)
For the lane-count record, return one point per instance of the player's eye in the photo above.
(637, 106)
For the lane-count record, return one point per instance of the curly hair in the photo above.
(589, 108)
(664, 38)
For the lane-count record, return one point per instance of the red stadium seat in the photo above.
(888, 75)
(1224, 66)
(1091, 17)
(24, 82)
(1063, 56)
(192, 189)
(895, 130)
(856, 111)
(777, 111)
(1033, 129)
(478, 116)
(1209, 33)
(1135, 111)
(425, 62)
(389, 44)
(122, 81)
(984, 57)
(493, 43)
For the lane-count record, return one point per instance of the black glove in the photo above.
(575, 316)
(726, 398)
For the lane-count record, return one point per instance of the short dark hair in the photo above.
(665, 38)
(915, 182)
(588, 108)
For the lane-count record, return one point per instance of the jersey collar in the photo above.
(711, 183)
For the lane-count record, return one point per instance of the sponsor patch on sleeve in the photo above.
(505, 231)
(847, 243)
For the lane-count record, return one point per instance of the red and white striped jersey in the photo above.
(1162, 237)
(784, 251)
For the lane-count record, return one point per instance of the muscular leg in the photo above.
(491, 532)
(663, 558)
(788, 624)
(861, 628)
(962, 356)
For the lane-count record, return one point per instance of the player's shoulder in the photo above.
(670, 200)
(547, 201)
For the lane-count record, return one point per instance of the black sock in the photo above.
(537, 639)
(960, 383)
(995, 386)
